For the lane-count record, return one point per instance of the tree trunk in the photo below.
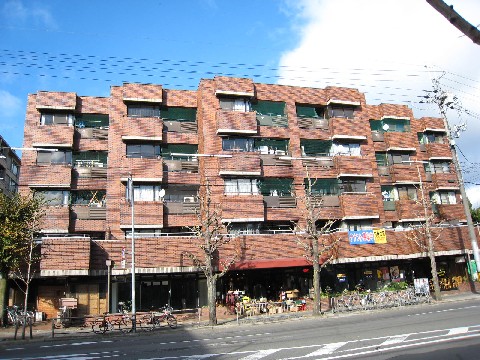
(317, 290)
(436, 285)
(3, 297)
(212, 303)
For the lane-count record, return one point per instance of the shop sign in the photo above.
(360, 237)
(380, 236)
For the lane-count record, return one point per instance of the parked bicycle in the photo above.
(165, 315)
(16, 316)
(101, 324)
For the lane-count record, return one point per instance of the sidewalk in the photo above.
(42, 331)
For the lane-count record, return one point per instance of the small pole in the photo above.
(53, 328)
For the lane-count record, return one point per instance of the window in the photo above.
(272, 108)
(149, 151)
(143, 110)
(341, 112)
(237, 144)
(12, 185)
(353, 185)
(143, 233)
(98, 121)
(390, 125)
(392, 158)
(181, 193)
(388, 193)
(14, 168)
(90, 158)
(244, 228)
(235, 104)
(89, 197)
(57, 119)
(54, 197)
(432, 138)
(146, 192)
(54, 157)
(168, 150)
(346, 149)
(241, 187)
(407, 192)
(444, 197)
(315, 147)
(437, 167)
(310, 111)
(182, 114)
(356, 225)
(271, 146)
(323, 186)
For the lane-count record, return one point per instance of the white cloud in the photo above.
(381, 47)
(473, 194)
(10, 105)
(15, 12)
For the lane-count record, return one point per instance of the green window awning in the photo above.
(316, 147)
(179, 114)
(273, 108)
(306, 111)
(276, 186)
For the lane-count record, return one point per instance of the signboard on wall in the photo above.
(360, 237)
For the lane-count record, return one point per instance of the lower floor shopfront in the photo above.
(96, 295)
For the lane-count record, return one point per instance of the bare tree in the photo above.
(212, 235)
(456, 20)
(423, 236)
(319, 244)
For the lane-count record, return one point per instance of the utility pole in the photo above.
(445, 102)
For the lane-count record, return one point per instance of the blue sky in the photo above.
(388, 49)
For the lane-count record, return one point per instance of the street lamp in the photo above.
(108, 262)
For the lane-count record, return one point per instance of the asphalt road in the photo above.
(439, 331)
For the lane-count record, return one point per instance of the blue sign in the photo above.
(361, 237)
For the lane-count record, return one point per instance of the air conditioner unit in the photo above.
(189, 199)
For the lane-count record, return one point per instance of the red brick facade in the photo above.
(105, 231)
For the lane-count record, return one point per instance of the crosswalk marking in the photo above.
(459, 330)
(260, 354)
(394, 340)
(327, 349)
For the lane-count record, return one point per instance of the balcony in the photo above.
(92, 133)
(359, 205)
(280, 201)
(140, 128)
(445, 180)
(437, 150)
(450, 212)
(61, 135)
(349, 127)
(143, 168)
(56, 219)
(242, 208)
(236, 122)
(353, 165)
(272, 120)
(313, 123)
(180, 126)
(404, 173)
(240, 165)
(88, 218)
(400, 140)
(146, 213)
(181, 166)
(410, 209)
(51, 175)
(181, 208)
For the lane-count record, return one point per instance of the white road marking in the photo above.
(260, 354)
(394, 340)
(327, 349)
(459, 330)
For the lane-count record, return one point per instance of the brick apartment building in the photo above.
(364, 160)
(9, 168)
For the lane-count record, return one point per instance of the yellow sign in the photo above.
(379, 236)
